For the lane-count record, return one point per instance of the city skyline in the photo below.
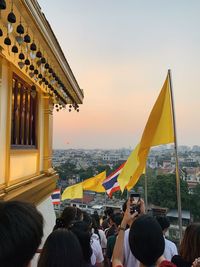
(120, 53)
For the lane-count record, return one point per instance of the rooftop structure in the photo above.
(35, 78)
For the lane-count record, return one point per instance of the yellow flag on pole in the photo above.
(74, 191)
(95, 183)
(158, 130)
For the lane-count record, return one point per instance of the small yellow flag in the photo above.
(95, 183)
(158, 130)
(74, 191)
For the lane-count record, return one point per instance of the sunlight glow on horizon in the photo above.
(119, 53)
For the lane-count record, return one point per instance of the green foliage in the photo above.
(66, 170)
(102, 168)
(195, 203)
(84, 174)
(162, 192)
(161, 189)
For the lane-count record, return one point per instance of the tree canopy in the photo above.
(162, 192)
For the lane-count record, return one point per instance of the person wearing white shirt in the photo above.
(170, 247)
(129, 258)
(97, 255)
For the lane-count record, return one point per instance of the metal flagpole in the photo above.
(145, 190)
(60, 200)
(177, 162)
(127, 194)
(82, 196)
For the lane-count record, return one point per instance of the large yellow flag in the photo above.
(158, 130)
(95, 183)
(74, 191)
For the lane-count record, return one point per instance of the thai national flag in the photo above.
(56, 197)
(110, 183)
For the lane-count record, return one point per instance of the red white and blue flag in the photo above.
(56, 197)
(110, 183)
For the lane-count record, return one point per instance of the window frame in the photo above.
(24, 115)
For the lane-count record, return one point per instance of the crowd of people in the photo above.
(130, 238)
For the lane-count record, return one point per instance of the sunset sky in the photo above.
(119, 52)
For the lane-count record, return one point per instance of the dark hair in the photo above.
(68, 216)
(21, 231)
(104, 217)
(61, 249)
(82, 231)
(117, 218)
(146, 240)
(95, 227)
(109, 211)
(124, 206)
(96, 217)
(163, 221)
(105, 224)
(190, 245)
(87, 219)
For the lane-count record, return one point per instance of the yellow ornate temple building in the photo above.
(35, 78)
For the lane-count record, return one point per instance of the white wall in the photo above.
(47, 210)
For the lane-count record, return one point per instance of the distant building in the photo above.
(85, 203)
(174, 225)
(111, 157)
(196, 148)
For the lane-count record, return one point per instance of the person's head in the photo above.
(164, 222)
(105, 224)
(68, 216)
(190, 245)
(61, 249)
(82, 231)
(117, 218)
(97, 218)
(146, 240)
(94, 224)
(87, 219)
(21, 231)
(109, 211)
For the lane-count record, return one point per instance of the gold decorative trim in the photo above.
(34, 192)
(2, 193)
(52, 44)
(8, 128)
(2, 186)
(38, 128)
(25, 179)
(23, 151)
(22, 181)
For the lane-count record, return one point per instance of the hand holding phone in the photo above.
(135, 202)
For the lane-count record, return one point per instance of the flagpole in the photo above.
(145, 190)
(60, 200)
(177, 162)
(82, 196)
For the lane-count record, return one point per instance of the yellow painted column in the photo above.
(5, 120)
(48, 131)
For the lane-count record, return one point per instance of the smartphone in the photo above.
(135, 197)
(135, 202)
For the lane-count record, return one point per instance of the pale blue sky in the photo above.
(119, 51)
